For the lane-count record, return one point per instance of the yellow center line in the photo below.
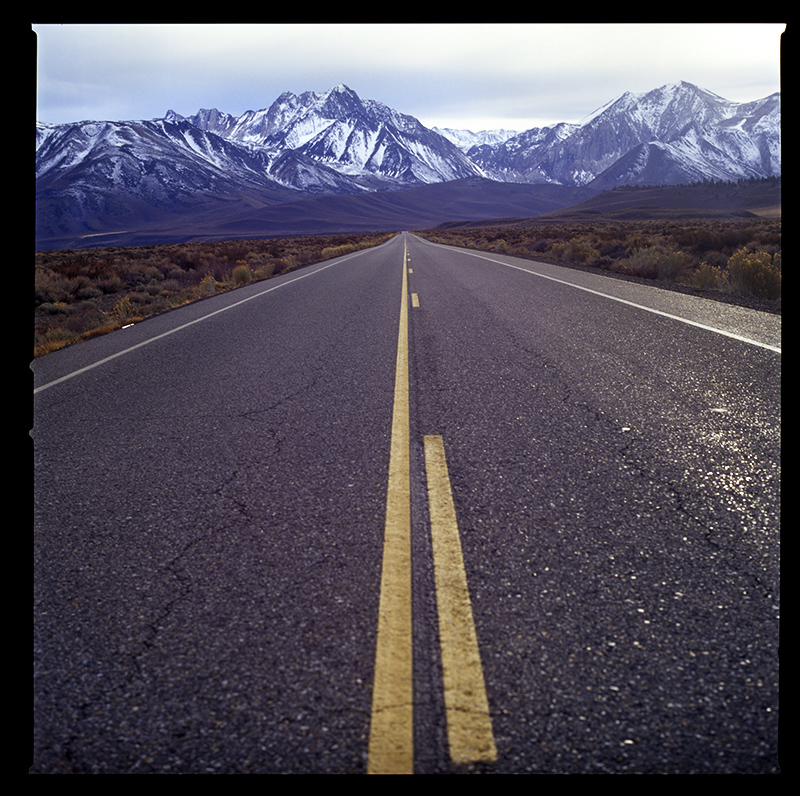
(414, 300)
(391, 740)
(469, 725)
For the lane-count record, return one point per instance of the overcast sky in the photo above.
(472, 76)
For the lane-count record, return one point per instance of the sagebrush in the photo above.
(738, 256)
(83, 293)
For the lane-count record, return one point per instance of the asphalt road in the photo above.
(212, 520)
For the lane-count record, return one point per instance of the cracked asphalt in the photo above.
(209, 514)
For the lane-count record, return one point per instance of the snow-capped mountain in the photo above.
(92, 176)
(466, 139)
(675, 133)
(372, 144)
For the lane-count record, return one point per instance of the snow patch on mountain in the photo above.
(466, 139)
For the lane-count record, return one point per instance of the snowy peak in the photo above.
(340, 102)
(333, 142)
(213, 121)
(291, 119)
(362, 139)
(466, 139)
(662, 112)
(697, 132)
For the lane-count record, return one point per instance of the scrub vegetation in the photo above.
(731, 257)
(84, 293)
(88, 292)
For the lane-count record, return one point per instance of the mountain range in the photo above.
(331, 161)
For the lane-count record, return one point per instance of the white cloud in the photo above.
(438, 72)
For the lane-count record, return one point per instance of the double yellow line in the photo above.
(391, 741)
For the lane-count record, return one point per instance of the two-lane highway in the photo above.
(253, 513)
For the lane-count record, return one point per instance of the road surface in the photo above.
(413, 510)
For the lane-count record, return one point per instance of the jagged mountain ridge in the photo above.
(93, 177)
(374, 145)
(691, 133)
(466, 139)
(96, 176)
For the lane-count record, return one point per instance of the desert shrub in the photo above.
(708, 277)
(329, 252)
(768, 238)
(78, 283)
(220, 269)
(614, 249)
(670, 264)
(716, 259)
(654, 262)
(208, 286)
(111, 283)
(735, 236)
(241, 274)
(703, 237)
(537, 246)
(124, 310)
(264, 271)
(173, 272)
(78, 264)
(138, 273)
(605, 262)
(83, 318)
(574, 250)
(186, 259)
(141, 297)
(170, 285)
(755, 273)
(49, 289)
(305, 256)
(696, 251)
(642, 262)
(53, 339)
(89, 292)
(194, 276)
(698, 239)
(153, 273)
(288, 263)
(233, 252)
(54, 308)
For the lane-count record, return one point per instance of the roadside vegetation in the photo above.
(739, 257)
(88, 292)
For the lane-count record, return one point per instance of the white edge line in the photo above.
(749, 340)
(196, 320)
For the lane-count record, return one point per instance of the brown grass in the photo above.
(79, 294)
(701, 254)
